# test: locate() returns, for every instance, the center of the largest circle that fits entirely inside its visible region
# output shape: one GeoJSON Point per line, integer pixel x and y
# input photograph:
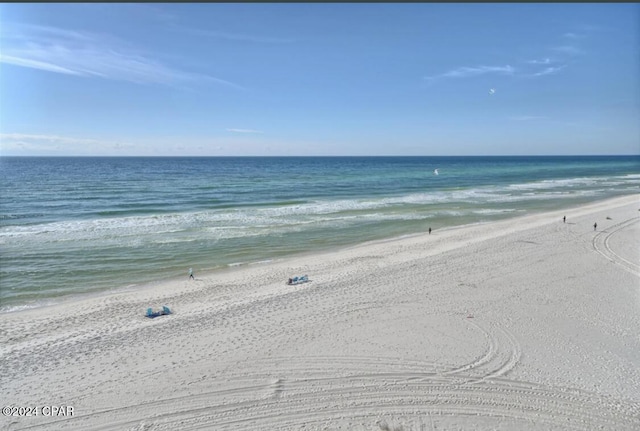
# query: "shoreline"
{"type": "Point", "coordinates": [526, 323]}
{"type": "Point", "coordinates": [95, 295]}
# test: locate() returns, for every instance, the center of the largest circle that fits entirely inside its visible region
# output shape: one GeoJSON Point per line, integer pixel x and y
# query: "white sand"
{"type": "Point", "coordinates": [523, 324]}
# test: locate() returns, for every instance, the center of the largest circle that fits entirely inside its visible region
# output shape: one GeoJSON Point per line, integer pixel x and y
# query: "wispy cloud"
{"type": "Point", "coordinates": [89, 55]}
{"type": "Point", "coordinates": [35, 64]}
{"type": "Point", "coordinates": [542, 61]}
{"type": "Point", "coordinates": [244, 131]}
{"type": "Point", "coordinates": [549, 71]}
{"type": "Point", "coordinates": [562, 55]}
{"type": "Point", "coordinates": [466, 72]}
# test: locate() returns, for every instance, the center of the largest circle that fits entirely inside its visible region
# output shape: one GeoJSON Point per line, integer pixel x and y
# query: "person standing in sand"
{"type": "Point", "coordinates": [564, 219]}
{"type": "Point", "coordinates": [191, 274]}
{"type": "Point", "coordinates": [429, 231]}
{"type": "Point", "coordinates": [595, 225]}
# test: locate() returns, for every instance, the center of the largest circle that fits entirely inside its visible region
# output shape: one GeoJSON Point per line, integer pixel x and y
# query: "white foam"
{"type": "Point", "coordinates": [247, 222]}
{"type": "Point", "coordinates": [577, 182]}
{"type": "Point", "coordinates": [550, 184]}
{"type": "Point", "coordinates": [494, 211]}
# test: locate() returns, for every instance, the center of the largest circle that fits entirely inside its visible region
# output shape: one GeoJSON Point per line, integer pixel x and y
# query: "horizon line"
{"type": "Point", "coordinates": [317, 156]}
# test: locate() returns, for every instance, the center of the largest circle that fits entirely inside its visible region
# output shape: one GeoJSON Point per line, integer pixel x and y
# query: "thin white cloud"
{"type": "Point", "coordinates": [542, 61]}
{"type": "Point", "coordinates": [466, 72]}
{"type": "Point", "coordinates": [549, 71]}
{"type": "Point", "coordinates": [84, 54]}
{"type": "Point", "coordinates": [34, 64]}
{"type": "Point", "coordinates": [244, 131]}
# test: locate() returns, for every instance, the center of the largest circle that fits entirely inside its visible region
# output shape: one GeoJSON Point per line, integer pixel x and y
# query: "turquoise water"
{"type": "Point", "coordinates": [76, 225]}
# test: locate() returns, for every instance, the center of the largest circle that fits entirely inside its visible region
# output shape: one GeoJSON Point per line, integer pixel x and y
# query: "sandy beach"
{"type": "Point", "coordinates": [522, 324]}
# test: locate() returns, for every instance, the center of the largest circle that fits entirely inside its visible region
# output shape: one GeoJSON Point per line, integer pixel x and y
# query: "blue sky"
{"type": "Point", "coordinates": [207, 79]}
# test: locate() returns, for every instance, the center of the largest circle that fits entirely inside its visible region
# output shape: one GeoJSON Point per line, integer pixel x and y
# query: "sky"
{"type": "Point", "coordinates": [319, 79]}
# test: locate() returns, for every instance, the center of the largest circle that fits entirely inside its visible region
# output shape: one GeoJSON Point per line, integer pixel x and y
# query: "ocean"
{"type": "Point", "coordinates": [71, 226]}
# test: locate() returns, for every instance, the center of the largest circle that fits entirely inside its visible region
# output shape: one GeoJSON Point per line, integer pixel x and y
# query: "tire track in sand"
{"type": "Point", "coordinates": [345, 401]}
{"type": "Point", "coordinates": [346, 392]}
{"type": "Point", "coordinates": [496, 361]}
{"type": "Point", "coordinates": [601, 245]}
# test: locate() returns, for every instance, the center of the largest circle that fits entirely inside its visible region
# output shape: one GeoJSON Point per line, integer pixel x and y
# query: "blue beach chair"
{"type": "Point", "coordinates": [298, 280]}
{"type": "Point", "coordinates": [152, 314]}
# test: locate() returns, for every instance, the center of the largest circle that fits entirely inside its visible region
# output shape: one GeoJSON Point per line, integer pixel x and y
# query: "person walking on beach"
{"type": "Point", "coordinates": [595, 225]}
{"type": "Point", "coordinates": [191, 274]}
{"type": "Point", "coordinates": [564, 219]}
{"type": "Point", "coordinates": [429, 231]}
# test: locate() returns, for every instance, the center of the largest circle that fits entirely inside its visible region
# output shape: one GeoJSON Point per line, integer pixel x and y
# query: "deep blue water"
{"type": "Point", "coordinates": [73, 225]}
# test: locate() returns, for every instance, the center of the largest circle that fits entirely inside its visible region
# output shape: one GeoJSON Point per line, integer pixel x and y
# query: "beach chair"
{"type": "Point", "coordinates": [151, 314]}
{"type": "Point", "coordinates": [298, 280]}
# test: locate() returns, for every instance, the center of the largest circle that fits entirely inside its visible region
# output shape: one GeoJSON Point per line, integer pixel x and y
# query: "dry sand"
{"type": "Point", "coordinates": [523, 324]}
